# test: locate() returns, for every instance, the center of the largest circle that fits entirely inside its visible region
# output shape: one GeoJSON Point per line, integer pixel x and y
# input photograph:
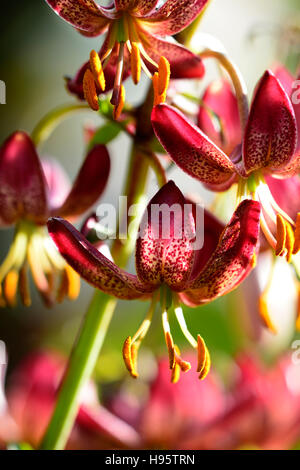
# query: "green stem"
{"type": "Point", "coordinates": [81, 365]}
{"type": "Point", "coordinates": [51, 120]}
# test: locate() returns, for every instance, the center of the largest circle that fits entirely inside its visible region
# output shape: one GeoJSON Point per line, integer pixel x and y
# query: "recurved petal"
{"type": "Point", "coordinates": [190, 149]}
{"type": "Point", "coordinates": [219, 117]}
{"type": "Point", "coordinates": [22, 181]}
{"type": "Point", "coordinates": [164, 249]}
{"type": "Point", "coordinates": [58, 183]}
{"type": "Point", "coordinates": [85, 15]}
{"type": "Point", "coordinates": [233, 258]}
{"type": "Point", "coordinates": [144, 7]}
{"type": "Point", "coordinates": [271, 133]}
{"type": "Point", "coordinates": [89, 184]}
{"type": "Point", "coordinates": [183, 62]}
{"type": "Point", "coordinates": [122, 5]}
{"type": "Point", "coordinates": [91, 265]}
{"type": "Point", "coordinates": [174, 16]}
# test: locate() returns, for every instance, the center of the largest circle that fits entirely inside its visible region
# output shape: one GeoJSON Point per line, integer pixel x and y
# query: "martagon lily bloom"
{"type": "Point", "coordinates": [30, 192]}
{"type": "Point", "coordinates": [268, 149]}
{"type": "Point", "coordinates": [133, 42]}
{"type": "Point", "coordinates": [169, 266]}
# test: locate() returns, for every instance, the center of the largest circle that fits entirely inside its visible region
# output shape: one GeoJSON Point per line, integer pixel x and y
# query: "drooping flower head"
{"type": "Point", "coordinates": [268, 148]}
{"type": "Point", "coordinates": [133, 41]}
{"type": "Point", "coordinates": [30, 192]}
{"type": "Point", "coordinates": [170, 266]}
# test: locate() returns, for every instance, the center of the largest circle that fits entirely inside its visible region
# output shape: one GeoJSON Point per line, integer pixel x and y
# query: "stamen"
{"type": "Point", "coordinates": [10, 287]}
{"type": "Point", "coordinates": [264, 313]}
{"type": "Point", "coordinates": [73, 283]}
{"type": "Point", "coordinates": [263, 303]}
{"type": "Point", "coordinates": [121, 101]}
{"type": "Point", "coordinates": [290, 242]}
{"type": "Point", "coordinates": [158, 99]}
{"type": "Point", "coordinates": [128, 357]}
{"type": "Point", "coordinates": [118, 77]}
{"type": "Point", "coordinates": [298, 310]}
{"type": "Point", "coordinates": [175, 373]}
{"type": "Point", "coordinates": [297, 235]}
{"type": "Point", "coordinates": [163, 75]}
{"type": "Point", "coordinates": [170, 346]}
{"type": "Point", "coordinates": [89, 90]}
{"type": "Point", "coordinates": [135, 63]}
{"type": "Point", "coordinates": [280, 235]}
{"type": "Point", "coordinates": [185, 366]}
{"type": "Point", "coordinates": [204, 361]}
{"type": "Point", "coordinates": [183, 325]}
{"type": "Point", "coordinates": [24, 286]}
{"type": "Point", "coordinates": [97, 70]}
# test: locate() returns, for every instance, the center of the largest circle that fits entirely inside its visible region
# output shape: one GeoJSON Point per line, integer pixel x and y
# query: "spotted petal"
{"type": "Point", "coordinates": [271, 134]}
{"type": "Point", "coordinates": [174, 16]}
{"type": "Point", "coordinates": [233, 258]}
{"type": "Point", "coordinates": [164, 250]}
{"type": "Point", "coordinates": [91, 265]}
{"type": "Point", "coordinates": [190, 149]}
{"type": "Point", "coordinates": [144, 7]}
{"type": "Point", "coordinates": [22, 182]}
{"type": "Point", "coordinates": [89, 184]}
{"type": "Point", "coordinates": [85, 15]}
{"type": "Point", "coordinates": [218, 116]}
{"type": "Point", "coordinates": [183, 62]}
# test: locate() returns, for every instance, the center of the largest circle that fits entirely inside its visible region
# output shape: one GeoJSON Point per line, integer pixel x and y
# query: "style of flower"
{"type": "Point", "coordinates": [170, 266]}
{"type": "Point", "coordinates": [268, 148]}
{"type": "Point", "coordinates": [30, 192]}
{"type": "Point", "coordinates": [133, 42]}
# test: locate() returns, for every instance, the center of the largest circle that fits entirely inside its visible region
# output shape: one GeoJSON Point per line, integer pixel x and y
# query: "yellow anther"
{"type": "Point", "coordinates": [158, 98]}
{"type": "Point", "coordinates": [163, 75]}
{"type": "Point", "coordinates": [298, 310]}
{"type": "Point", "coordinates": [281, 235]}
{"type": "Point", "coordinates": [253, 261]}
{"type": "Point", "coordinates": [175, 373]}
{"type": "Point", "coordinates": [97, 70]}
{"type": "Point", "coordinates": [297, 235]}
{"type": "Point", "coordinates": [264, 313]}
{"type": "Point", "coordinates": [128, 358]}
{"type": "Point", "coordinates": [204, 361]}
{"type": "Point", "coordinates": [171, 349]}
{"type": "Point", "coordinates": [184, 365]}
{"type": "Point", "coordinates": [10, 287]}
{"type": "Point", "coordinates": [136, 64]}
{"type": "Point", "coordinates": [89, 90]}
{"type": "Point", "coordinates": [290, 241]}
{"type": "Point", "coordinates": [73, 283]}
{"type": "Point", "coordinates": [121, 101]}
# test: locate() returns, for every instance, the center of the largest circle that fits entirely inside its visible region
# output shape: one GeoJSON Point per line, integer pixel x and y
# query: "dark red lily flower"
{"type": "Point", "coordinates": [268, 148]}
{"type": "Point", "coordinates": [31, 192]}
{"type": "Point", "coordinates": [133, 42]}
{"type": "Point", "coordinates": [218, 116]}
{"type": "Point", "coordinates": [169, 264]}
{"type": "Point", "coordinates": [31, 396]}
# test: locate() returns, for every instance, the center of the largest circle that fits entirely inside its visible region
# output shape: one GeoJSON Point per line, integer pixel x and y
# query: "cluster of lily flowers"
{"type": "Point", "coordinates": [227, 145]}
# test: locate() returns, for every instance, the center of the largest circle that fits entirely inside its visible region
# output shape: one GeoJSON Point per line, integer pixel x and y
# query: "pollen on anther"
{"type": "Point", "coordinates": [135, 63]}
{"type": "Point", "coordinates": [297, 235]}
{"type": "Point", "coordinates": [280, 235]}
{"type": "Point", "coordinates": [97, 70]}
{"type": "Point", "coordinates": [163, 75]}
{"type": "Point", "coordinates": [121, 101]}
{"type": "Point", "coordinates": [89, 90]}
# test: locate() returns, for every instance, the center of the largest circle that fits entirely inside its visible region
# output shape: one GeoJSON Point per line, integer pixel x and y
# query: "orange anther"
{"type": "Point", "coordinates": [89, 90]}
{"type": "Point", "coordinates": [135, 63]}
{"type": "Point", "coordinates": [171, 350]}
{"type": "Point", "coordinates": [127, 356]}
{"type": "Point", "coordinates": [97, 70]}
{"type": "Point", "coordinates": [297, 235]}
{"type": "Point", "coordinates": [73, 283]}
{"type": "Point", "coordinates": [204, 361]}
{"type": "Point", "coordinates": [289, 242]}
{"type": "Point", "coordinates": [10, 287]}
{"type": "Point", "coordinates": [280, 235]}
{"type": "Point", "coordinates": [163, 75]}
{"type": "Point", "coordinates": [264, 314]}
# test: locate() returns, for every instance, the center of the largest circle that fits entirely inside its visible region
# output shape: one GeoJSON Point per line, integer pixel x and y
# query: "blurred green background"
{"type": "Point", "coordinates": [37, 50]}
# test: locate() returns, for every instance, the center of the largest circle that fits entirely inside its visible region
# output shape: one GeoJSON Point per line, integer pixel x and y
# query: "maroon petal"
{"type": "Point", "coordinates": [58, 183]}
{"type": "Point", "coordinates": [144, 7]}
{"type": "Point", "coordinates": [89, 184]}
{"type": "Point", "coordinates": [233, 258]}
{"type": "Point", "coordinates": [225, 128]}
{"type": "Point", "coordinates": [190, 149]}
{"type": "Point", "coordinates": [22, 182]}
{"type": "Point", "coordinates": [122, 5]}
{"type": "Point", "coordinates": [174, 16]}
{"type": "Point", "coordinates": [286, 193]}
{"type": "Point", "coordinates": [271, 134]}
{"type": "Point", "coordinates": [91, 265]}
{"type": "Point", "coordinates": [164, 250]}
{"type": "Point", "coordinates": [183, 62]}
{"type": "Point", "coordinates": [84, 15]}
